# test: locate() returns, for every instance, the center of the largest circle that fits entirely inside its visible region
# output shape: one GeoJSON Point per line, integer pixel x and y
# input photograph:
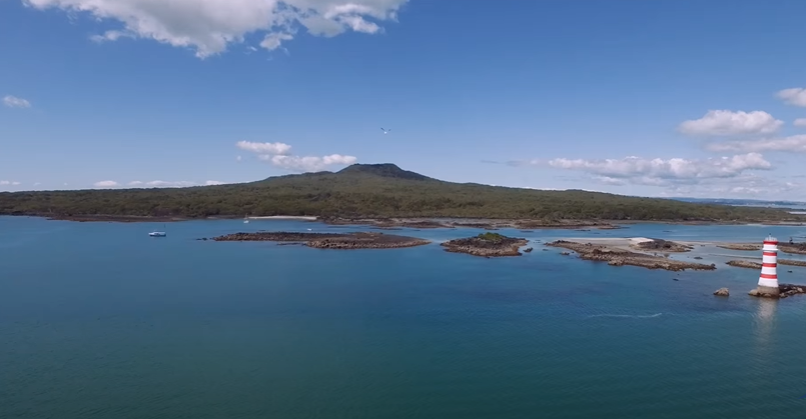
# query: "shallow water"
{"type": "Point", "coordinates": [97, 320]}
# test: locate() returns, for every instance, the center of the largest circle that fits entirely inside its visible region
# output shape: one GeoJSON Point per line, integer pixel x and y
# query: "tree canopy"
{"type": "Point", "coordinates": [382, 190]}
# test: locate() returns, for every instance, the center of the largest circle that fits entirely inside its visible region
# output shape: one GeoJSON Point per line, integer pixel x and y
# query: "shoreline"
{"type": "Point", "coordinates": [327, 240]}
{"type": "Point", "coordinates": [415, 222]}
{"type": "Point", "coordinates": [628, 251]}
{"type": "Point", "coordinates": [487, 245]}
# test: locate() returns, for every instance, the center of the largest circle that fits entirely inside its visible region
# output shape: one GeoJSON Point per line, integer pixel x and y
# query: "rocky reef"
{"type": "Point", "coordinates": [784, 290]}
{"type": "Point", "coordinates": [794, 248]}
{"type": "Point", "coordinates": [740, 246]}
{"type": "Point", "coordinates": [487, 245]}
{"type": "Point", "coordinates": [660, 245]}
{"type": "Point", "coordinates": [619, 257]}
{"type": "Point", "coordinates": [330, 240]}
{"type": "Point", "coordinates": [744, 264]}
{"type": "Point", "coordinates": [757, 265]}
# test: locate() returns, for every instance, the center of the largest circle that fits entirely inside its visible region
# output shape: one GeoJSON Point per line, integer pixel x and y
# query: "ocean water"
{"type": "Point", "coordinates": [97, 320]}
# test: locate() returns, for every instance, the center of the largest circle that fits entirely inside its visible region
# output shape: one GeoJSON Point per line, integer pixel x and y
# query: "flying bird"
{"type": "Point", "coordinates": [386, 131]}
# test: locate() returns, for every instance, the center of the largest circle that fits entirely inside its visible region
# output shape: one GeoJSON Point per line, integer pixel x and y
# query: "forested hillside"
{"type": "Point", "coordinates": [382, 190]}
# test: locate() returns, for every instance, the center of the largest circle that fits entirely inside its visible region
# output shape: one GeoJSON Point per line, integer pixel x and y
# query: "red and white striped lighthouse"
{"type": "Point", "coordinates": [768, 281]}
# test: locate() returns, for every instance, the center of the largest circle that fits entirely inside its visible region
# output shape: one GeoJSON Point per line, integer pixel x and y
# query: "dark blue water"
{"type": "Point", "coordinates": [101, 321]}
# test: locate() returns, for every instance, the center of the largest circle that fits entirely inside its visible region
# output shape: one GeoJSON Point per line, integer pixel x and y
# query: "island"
{"type": "Point", "coordinates": [744, 264]}
{"type": "Point", "coordinates": [487, 245]}
{"type": "Point", "coordinates": [741, 246]}
{"type": "Point", "coordinates": [757, 265]}
{"type": "Point", "coordinates": [328, 240]}
{"type": "Point", "coordinates": [382, 194]}
{"type": "Point", "coordinates": [791, 248]}
{"type": "Point", "coordinates": [616, 252]}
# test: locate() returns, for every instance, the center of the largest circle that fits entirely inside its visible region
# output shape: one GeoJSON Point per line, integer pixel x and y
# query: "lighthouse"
{"type": "Point", "coordinates": [768, 281]}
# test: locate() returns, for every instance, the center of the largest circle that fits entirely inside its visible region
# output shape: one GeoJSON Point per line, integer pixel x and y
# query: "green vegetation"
{"type": "Point", "coordinates": [492, 237]}
{"type": "Point", "coordinates": [369, 191]}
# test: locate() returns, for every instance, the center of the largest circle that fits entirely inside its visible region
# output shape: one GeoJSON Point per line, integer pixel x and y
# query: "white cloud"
{"type": "Point", "coordinates": [238, 158]}
{"type": "Point", "coordinates": [15, 102]}
{"type": "Point", "coordinates": [660, 172]}
{"type": "Point", "coordinates": [106, 184]}
{"type": "Point", "coordinates": [279, 154]}
{"type": "Point", "coordinates": [800, 122]}
{"type": "Point", "coordinates": [9, 183]}
{"type": "Point", "coordinates": [744, 186]}
{"type": "Point", "coordinates": [264, 148]}
{"type": "Point", "coordinates": [307, 164]}
{"type": "Point", "coordinates": [794, 143]}
{"type": "Point", "coordinates": [273, 41]}
{"type": "Point", "coordinates": [722, 123]}
{"type": "Point", "coordinates": [172, 184]}
{"type": "Point", "coordinates": [209, 26]}
{"type": "Point", "coordinates": [795, 96]}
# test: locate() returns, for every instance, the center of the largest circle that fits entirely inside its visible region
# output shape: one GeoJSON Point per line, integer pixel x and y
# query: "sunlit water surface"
{"type": "Point", "coordinates": [97, 320]}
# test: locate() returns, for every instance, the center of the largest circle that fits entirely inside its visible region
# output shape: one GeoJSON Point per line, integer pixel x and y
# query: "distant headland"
{"type": "Point", "coordinates": [378, 194]}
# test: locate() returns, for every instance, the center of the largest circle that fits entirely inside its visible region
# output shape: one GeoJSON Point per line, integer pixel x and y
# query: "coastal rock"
{"type": "Point", "coordinates": [744, 264]}
{"type": "Point", "coordinates": [722, 292]}
{"type": "Point", "coordinates": [793, 248]}
{"type": "Point", "coordinates": [528, 250]}
{"type": "Point", "coordinates": [791, 262]}
{"type": "Point", "coordinates": [784, 290]}
{"type": "Point", "coordinates": [615, 256]}
{"type": "Point", "coordinates": [486, 244]}
{"type": "Point", "coordinates": [664, 245]}
{"type": "Point", "coordinates": [740, 246]}
{"type": "Point", "coordinates": [330, 240]}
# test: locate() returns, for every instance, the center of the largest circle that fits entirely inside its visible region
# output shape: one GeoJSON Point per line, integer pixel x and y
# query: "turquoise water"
{"type": "Point", "coordinates": [101, 321]}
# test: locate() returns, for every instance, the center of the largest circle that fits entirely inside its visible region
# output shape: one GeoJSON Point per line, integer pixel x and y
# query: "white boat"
{"type": "Point", "coordinates": [157, 234]}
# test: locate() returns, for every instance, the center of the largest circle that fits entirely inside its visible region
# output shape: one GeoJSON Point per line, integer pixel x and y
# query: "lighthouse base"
{"type": "Point", "coordinates": [764, 291]}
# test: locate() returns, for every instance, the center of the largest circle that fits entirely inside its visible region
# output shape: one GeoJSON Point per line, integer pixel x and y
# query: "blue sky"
{"type": "Point", "coordinates": [542, 94]}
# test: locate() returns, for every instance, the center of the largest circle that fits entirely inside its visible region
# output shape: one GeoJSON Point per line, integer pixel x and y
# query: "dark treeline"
{"type": "Point", "coordinates": [369, 191]}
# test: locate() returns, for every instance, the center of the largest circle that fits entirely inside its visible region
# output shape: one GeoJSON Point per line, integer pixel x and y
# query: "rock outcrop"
{"type": "Point", "coordinates": [662, 245]}
{"type": "Point", "coordinates": [740, 246]}
{"type": "Point", "coordinates": [722, 292]}
{"type": "Point", "coordinates": [330, 240]}
{"type": "Point", "coordinates": [744, 264]}
{"type": "Point", "coordinates": [794, 248]}
{"type": "Point", "coordinates": [618, 257]}
{"type": "Point", "coordinates": [784, 291]}
{"type": "Point", "coordinates": [487, 245]}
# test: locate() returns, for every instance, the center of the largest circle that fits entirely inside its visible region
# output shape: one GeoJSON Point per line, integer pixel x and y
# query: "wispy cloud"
{"type": "Point", "coordinates": [662, 172]}
{"type": "Point", "coordinates": [279, 154]}
{"type": "Point", "coordinates": [106, 184]}
{"type": "Point", "coordinates": [172, 184]}
{"type": "Point", "coordinates": [794, 144]}
{"type": "Point", "coordinates": [15, 102]}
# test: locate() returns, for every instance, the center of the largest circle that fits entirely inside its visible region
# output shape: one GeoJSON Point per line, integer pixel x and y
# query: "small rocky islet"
{"type": "Point", "coordinates": [329, 240]}
{"type": "Point", "coordinates": [487, 245]}
{"type": "Point", "coordinates": [619, 257]}
{"type": "Point", "coordinates": [784, 291]}
{"type": "Point", "coordinates": [791, 248]}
